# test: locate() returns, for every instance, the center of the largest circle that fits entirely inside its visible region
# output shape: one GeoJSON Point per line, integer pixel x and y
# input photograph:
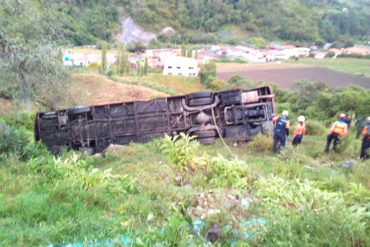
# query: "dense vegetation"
{"type": "Point", "coordinates": [31, 67]}
{"type": "Point", "coordinates": [201, 21]}
{"type": "Point", "coordinates": [167, 193]}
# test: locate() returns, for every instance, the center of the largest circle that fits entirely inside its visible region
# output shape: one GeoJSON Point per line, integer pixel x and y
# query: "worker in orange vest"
{"type": "Point", "coordinates": [365, 140]}
{"type": "Point", "coordinates": [338, 130]}
{"type": "Point", "coordinates": [299, 131]}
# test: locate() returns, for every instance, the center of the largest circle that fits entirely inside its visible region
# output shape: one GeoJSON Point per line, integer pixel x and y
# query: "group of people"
{"type": "Point", "coordinates": [338, 131]}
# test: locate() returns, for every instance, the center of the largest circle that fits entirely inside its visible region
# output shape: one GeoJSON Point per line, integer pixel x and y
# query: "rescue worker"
{"type": "Point", "coordinates": [338, 130]}
{"type": "Point", "coordinates": [360, 125]}
{"type": "Point", "coordinates": [281, 130]}
{"type": "Point", "coordinates": [365, 140]}
{"type": "Point", "coordinates": [347, 119]}
{"type": "Point", "coordinates": [299, 131]}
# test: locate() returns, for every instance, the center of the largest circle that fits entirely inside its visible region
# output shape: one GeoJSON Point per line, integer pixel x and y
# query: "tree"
{"type": "Point", "coordinates": [30, 65]}
{"type": "Point", "coordinates": [183, 50]}
{"type": "Point", "coordinates": [139, 70]}
{"type": "Point", "coordinates": [208, 74]}
{"type": "Point", "coordinates": [190, 53]}
{"type": "Point", "coordinates": [146, 67]}
{"type": "Point", "coordinates": [103, 65]}
{"type": "Point", "coordinates": [123, 64]}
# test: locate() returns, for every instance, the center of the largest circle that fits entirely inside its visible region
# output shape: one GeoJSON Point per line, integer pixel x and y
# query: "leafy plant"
{"type": "Point", "coordinates": [181, 149]}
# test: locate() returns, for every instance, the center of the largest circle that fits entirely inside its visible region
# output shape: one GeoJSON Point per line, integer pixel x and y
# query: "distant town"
{"type": "Point", "coordinates": [171, 62]}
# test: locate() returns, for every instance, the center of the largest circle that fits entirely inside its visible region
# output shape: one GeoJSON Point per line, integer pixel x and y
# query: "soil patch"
{"type": "Point", "coordinates": [285, 77]}
{"type": "Point", "coordinates": [95, 89]}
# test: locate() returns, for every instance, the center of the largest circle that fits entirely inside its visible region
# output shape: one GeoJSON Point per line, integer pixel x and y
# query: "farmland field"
{"type": "Point", "coordinates": [285, 77]}
{"type": "Point", "coordinates": [353, 66]}
{"type": "Point", "coordinates": [333, 72]}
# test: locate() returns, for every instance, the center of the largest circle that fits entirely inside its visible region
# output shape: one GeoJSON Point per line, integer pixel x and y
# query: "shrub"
{"type": "Point", "coordinates": [181, 149]}
{"type": "Point", "coordinates": [330, 54]}
{"type": "Point", "coordinates": [298, 211]}
{"type": "Point", "coordinates": [218, 84]}
{"type": "Point", "coordinates": [94, 65]}
{"type": "Point", "coordinates": [221, 172]}
{"type": "Point", "coordinates": [261, 144]}
{"type": "Point", "coordinates": [314, 127]}
{"type": "Point", "coordinates": [11, 139]}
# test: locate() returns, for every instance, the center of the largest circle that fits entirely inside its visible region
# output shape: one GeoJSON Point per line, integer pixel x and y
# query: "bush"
{"type": "Point", "coordinates": [261, 144]}
{"type": "Point", "coordinates": [181, 149]}
{"type": "Point", "coordinates": [330, 54]}
{"type": "Point", "coordinates": [94, 65]}
{"type": "Point", "coordinates": [217, 84]}
{"type": "Point", "coordinates": [227, 173]}
{"type": "Point", "coordinates": [12, 139]}
{"type": "Point", "coordinates": [298, 210]}
{"type": "Point", "coordinates": [314, 127]}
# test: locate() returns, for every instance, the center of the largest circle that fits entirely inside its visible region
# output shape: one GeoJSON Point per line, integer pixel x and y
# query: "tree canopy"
{"type": "Point", "coordinates": [30, 64]}
{"type": "Point", "coordinates": [200, 21]}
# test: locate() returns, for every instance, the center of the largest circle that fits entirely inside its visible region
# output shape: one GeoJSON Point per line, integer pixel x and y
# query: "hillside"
{"type": "Point", "coordinates": [201, 21]}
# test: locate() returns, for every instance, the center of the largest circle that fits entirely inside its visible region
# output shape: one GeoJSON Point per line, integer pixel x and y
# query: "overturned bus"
{"type": "Point", "coordinates": [236, 114]}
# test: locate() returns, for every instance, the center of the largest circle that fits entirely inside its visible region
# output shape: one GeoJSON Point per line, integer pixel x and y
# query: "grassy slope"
{"type": "Point", "coordinates": [40, 207]}
{"type": "Point", "coordinates": [136, 190]}
{"type": "Point", "coordinates": [176, 85]}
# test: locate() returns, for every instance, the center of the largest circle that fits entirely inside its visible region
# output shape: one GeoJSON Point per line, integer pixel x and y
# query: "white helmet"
{"type": "Point", "coordinates": [285, 113]}
{"type": "Point", "coordinates": [301, 119]}
{"type": "Point", "coordinates": [342, 116]}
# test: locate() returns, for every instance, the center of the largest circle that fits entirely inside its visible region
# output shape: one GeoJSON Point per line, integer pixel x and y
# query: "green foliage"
{"type": "Point", "coordinates": [104, 64]}
{"type": "Point", "coordinates": [208, 74]}
{"type": "Point", "coordinates": [198, 21]}
{"type": "Point", "coordinates": [316, 210]}
{"type": "Point", "coordinates": [261, 144]}
{"type": "Point", "coordinates": [183, 50]}
{"type": "Point", "coordinates": [181, 149]}
{"type": "Point", "coordinates": [314, 127]}
{"type": "Point", "coordinates": [330, 54]}
{"type": "Point", "coordinates": [354, 55]}
{"type": "Point", "coordinates": [226, 60]}
{"type": "Point", "coordinates": [11, 139]}
{"type": "Point", "coordinates": [222, 172]}
{"type": "Point", "coordinates": [258, 42]}
{"type": "Point", "coordinates": [123, 64]}
{"type": "Point", "coordinates": [217, 84]}
{"type": "Point", "coordinates": [30, 67]}
{"type": "Point", "coordinates": [315, 100]}
{"type": "Point", "coordinates": [146, 67]}
{"type": "Point", "coordinates": [240, 82]}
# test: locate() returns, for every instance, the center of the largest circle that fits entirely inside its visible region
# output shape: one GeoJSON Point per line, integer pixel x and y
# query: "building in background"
{"type": "Point", "coordinates": [180, 66]}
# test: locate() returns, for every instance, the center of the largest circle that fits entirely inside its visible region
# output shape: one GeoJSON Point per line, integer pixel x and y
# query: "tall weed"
{"type": "Point", "coordinates": [180, 148]}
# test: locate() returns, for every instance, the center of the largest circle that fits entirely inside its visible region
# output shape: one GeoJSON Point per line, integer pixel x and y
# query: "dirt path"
{"type": "Point", "coordinates": [95, 89]}
{"type": "Point", "coordinates": [286, 77]}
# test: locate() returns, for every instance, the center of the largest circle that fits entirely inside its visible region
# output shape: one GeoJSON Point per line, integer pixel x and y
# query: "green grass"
{"type": "Point", "coordinates": [354, 66]}
{"type": "Point", "coordinates": [151, 192]}
{"type": "Point", "coordinates": [172, 85]}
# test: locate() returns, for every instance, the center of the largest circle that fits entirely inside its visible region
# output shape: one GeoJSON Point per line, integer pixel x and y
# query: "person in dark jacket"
{"type": "Point", "coordinates": [347, 119]}
{"type": "Point", "coordinates": [281, 130]}
{"type": "Point", "coordinates": [365, 141]}
{"type": "Point", "coordinates": [360, 125]}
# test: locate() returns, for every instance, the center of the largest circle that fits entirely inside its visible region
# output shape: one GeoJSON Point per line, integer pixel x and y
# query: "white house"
{"type": "Point", "coordinates": [86, 58]}
{"type": "Point", "coordinates": [180, 66]}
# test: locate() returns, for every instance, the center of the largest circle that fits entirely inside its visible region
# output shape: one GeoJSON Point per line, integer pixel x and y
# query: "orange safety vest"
{"type": "Point", "coordinates": [299, 129]}
{"type": "Point", "coordinates": [340, 128]}
{"type": "Point", "coordinates": [365, 132]}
